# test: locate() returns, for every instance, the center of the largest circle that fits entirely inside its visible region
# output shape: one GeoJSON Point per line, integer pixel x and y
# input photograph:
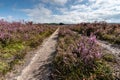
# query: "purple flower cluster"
{"type": "Point", "coordinates": [20, 31]}
{"type": "Point", "coordinates": [4, 36]}
{"type": "Point", "coordinates": [64, 31]}
{"type": "Point", "coordinates": [87, 49]}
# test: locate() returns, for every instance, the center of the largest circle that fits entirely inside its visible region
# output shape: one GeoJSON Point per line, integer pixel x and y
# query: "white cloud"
{"type": "Point", "coordinates": [8, 18]}
{"type": "Point", "coordinates": [39, 13]}
{"type": "Point", "coordinates": [2, 17]}
{"type": "Point", "coordinates": [95, 10]}
{"type": "Point", "coordinates": [80, 0]}
{"type": "Point", "coordinates": [58, 2]}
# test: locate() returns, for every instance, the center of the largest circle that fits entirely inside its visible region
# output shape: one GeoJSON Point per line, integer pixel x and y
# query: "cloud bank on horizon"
{"type": "Point", "coordinates": [71, 11]}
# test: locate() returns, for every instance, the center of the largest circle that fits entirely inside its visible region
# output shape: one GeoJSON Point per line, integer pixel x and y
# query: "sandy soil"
{"type": "Point", "coordinates": [38, 68]}
{"type": "Point", "coordinates": [115, 50]}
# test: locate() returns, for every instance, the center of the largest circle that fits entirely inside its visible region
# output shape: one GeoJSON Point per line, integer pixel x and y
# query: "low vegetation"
{"type": "Point", "coordinates": [79, 58]}
{"type": "Point", "coordinates": [103, 31]}
{"type": "Point", "coordinates": [17, 38]}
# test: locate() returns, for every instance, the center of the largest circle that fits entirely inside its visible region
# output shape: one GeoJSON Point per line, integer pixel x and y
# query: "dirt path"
{"type": "Point", "coordinates": [115, 51]}
{"type": "Point", "coordinates": [108, 46]}
{"type": "Point", "coordinates": [38, 68]}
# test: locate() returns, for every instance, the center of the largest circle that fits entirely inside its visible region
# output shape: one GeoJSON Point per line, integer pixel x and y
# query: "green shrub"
{"type": "Point", "coordinates": [66, 67]}
{"type": "Point", "coordinates": [4, 67]}
{"type": "Point", "coordinates": [109, 58]}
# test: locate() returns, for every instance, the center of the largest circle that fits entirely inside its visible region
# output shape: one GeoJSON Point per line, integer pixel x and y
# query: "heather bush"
{"type": "Point", "coordinates": [87, 50]}
{"type": "Point", "coordinates": [17, 37]}
{"type": "Point", "coordinates": [103, 31]}
{"type": "Point", "coordinates": [82, 60]}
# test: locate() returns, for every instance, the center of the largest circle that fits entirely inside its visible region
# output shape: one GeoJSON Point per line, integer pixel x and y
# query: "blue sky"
{"type": "Point", "coordinates": [67, 11]}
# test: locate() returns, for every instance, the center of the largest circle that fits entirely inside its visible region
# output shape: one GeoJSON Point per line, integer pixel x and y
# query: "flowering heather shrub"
{"type": "Point", "coordinates": [66, 37]}
{"type": "Point", "coordinates": [81, 60]}
{"type": "Point", "coordinates": [65, 31]}
{"type": "Point", "coordinates": [19, 32]}
{"type": "Point", "coordinates": [17, 38]}
{"type": "Point", "coordinates": [100, 29]}
{"type": "Point", "coordinates": [88, 50]}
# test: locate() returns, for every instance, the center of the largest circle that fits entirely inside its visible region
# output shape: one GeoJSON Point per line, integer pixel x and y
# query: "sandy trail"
{"type": "Point", "coordinates": [108, 46]}
{"type": "Point", "coordinates": [38, 68]}
{"type": "Point", "coordinates": [115, 51]}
